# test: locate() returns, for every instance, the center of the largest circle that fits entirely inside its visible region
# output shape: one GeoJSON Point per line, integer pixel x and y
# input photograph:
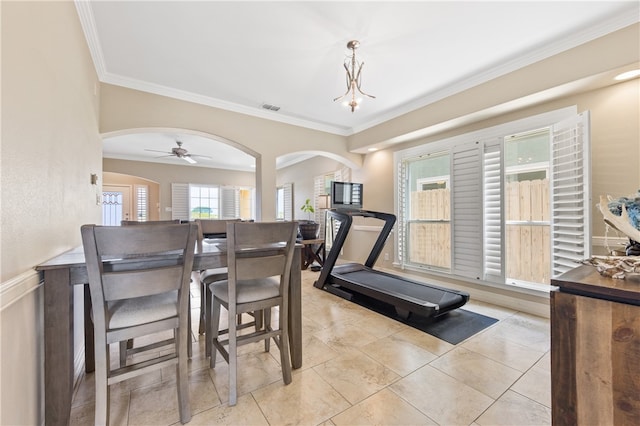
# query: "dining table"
{"type": "Point", "coordinates": [62, 273]}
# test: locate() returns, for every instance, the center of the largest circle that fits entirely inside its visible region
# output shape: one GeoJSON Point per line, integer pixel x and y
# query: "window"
{"type": "Point", "coordinates": [195, 201]}
{"type": "Point", "coordinates": [284, 202]}
{"type": "Point", "coordinates": [142, 203]}
{"type": "Point", "coordinates": [204, 202]}
{"type": "Point", "coordinates": [428, 224]}
{"type": "Point", "coordinates": [506, 205]}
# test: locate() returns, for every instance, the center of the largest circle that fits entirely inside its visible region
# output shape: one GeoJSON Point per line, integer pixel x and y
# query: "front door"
{"type": "Point", "coordinates": [116, 204]}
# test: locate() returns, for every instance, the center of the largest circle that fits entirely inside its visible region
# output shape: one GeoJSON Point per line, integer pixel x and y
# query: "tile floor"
{"type": "Point", "coordinates": [358, 368]}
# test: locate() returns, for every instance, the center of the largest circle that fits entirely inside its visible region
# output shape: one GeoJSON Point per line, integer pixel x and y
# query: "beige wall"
{"type": "Point", "coordinates": [166, 174]}
{"type": "Point", "coordinates": [50, 147]}
{"type": "Point", "coordinates": [124, 109]}
{"type": "Point", "coordinates": [601, 55]}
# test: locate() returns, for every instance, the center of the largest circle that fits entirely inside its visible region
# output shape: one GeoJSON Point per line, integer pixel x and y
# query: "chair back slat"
{"type": "Point", "coordinates": [259, 267]}
{"type": "Point", "coordinates": [129, 284]}
{"type": "Point", "coordinates": [140, 240]}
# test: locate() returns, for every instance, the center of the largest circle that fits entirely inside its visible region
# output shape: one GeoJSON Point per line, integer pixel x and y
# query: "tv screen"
{"type": "Point", "coordinates": [346, 195]}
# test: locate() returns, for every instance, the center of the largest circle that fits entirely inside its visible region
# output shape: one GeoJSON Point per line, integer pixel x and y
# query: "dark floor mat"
{"type": "Point", "coordinates": [453, 327]}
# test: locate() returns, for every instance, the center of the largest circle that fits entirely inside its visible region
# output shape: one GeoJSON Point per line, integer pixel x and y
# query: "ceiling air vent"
{"type": "Point", "coordinates": [270, 107]}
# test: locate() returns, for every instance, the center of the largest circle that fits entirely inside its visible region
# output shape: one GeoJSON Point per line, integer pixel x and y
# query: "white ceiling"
{"type": "Point", "coordinates": [239, 55]}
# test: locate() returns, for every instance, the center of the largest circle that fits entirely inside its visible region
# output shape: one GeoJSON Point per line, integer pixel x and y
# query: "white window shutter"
{"type": "Point", "coordinates": [180, 201]}
{"type": "Point", "coordinates": [318, 190]}
{"type": "Point", "coordinates": [288, 201]}
{"type": "Point", "coordinates": [403, 214]}
{"type": "Point", "coordinates": [493, 211]}
{"type": "Point", "coordinates": [142, 202]}
{"type": "Point", "coordinates": [570, 189]}
{"type": "Point", "coordinates": [466, 210]}
{"type": "Point", "coordinates": [229, 203]}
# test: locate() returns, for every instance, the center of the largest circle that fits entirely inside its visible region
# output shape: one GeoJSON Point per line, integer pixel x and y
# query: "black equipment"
{"type": "Point", "coordinates": [407, 296]}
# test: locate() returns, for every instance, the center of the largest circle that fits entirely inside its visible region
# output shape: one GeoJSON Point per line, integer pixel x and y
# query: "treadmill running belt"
{"type": "Point", "coordinates": [404, 289]}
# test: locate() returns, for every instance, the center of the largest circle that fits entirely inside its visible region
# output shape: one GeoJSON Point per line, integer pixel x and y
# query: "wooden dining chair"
{"type": "Point", "coordinates": [144, 291]}
{"type": "Point", "coordinates": [217, 229]}
{"type": "Point", "coordinates": [259, 257]}
{"type": "Point", "coordinates": [126, 348]}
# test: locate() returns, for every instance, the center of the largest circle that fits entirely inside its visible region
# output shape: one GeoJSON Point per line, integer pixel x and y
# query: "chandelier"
{"type": "Point", "coordinates": [354, 77]}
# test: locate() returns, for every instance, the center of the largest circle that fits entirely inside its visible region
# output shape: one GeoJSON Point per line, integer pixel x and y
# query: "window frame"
{"type": "Point", "coordinates": [484, 135]}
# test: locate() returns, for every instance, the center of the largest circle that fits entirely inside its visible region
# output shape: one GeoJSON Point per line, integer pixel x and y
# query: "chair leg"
{"type": "Point", "coordinates": [215, 329]}
{"type": "Point", "coordinates": [103, 393]}
{"type": "Point", "coordinates": [202, 327]}
{"type": "Point", "coordinates": [189, 343]}
{"type": "Point", "coordinates": [207, 309]}
{"type": "Point", "coordinates": [267, 326]}
{"type": "Point", "coordinates": [182, 375]}
{"type": "Point", "coordinates": [233, 360]}
{"type": "Point", "coordinates": [285, 361]}
{"type": "Point", "coordinates": [123, 352]}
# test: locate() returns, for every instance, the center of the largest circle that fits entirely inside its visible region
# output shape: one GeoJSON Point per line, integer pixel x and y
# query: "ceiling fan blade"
{"type": "Point", "coordinates": [155, 150]}
{"type": "Point", "coordinates": [188, 159]}
{"type": "Point", "coordinates": [201, 156]}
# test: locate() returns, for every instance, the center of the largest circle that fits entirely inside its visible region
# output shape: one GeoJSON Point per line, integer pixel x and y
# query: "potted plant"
{"type": "Point", "coordinates": [308, 229]}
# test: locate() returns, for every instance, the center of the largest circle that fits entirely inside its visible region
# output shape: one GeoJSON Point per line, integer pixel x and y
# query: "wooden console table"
{"type": "Point", "coordinates": [595, 349]}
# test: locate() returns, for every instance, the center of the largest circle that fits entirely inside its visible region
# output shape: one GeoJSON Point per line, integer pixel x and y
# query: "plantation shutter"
{"type": "Point", "coordinates": [229, 203]}
{"type": "Point", "coordinates": [466, 211]}
{"type": "Point", "coordinates": [570, 193]}
{"type": "Point", "coordinates": [402, 206]}
{"type": "Point", "coordinates": [180, 201]}
{"type": "Point", "coordinates": [288, 201]}
{"type": "Point", "coordinates": [493, 211]}
{"type": "Point", "coordinates": [142, 203]}
{"type": "Point", "coordinates": [318, 190]}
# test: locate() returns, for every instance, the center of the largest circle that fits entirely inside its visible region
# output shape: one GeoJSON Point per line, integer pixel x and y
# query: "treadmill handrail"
{"type": "Point", "coordinates": [346, 219]}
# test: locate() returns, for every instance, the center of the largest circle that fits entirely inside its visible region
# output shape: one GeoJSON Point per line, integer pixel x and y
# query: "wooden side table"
{"type": "Point", "coordinates": [595, 349]}
{"type": "Point", "coordinates": [311, 254]}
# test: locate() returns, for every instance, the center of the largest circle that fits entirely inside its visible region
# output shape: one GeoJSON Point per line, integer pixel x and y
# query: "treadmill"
{"type": "Point", "coordinates": [405, 295]}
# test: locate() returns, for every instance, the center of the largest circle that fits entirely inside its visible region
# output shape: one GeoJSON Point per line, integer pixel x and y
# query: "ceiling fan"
{"type": "Point", "coordinates": [180, 152]}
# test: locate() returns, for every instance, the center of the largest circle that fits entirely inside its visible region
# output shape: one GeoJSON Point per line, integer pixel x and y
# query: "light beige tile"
{"type": "Point", "coordinates": [481, 373]}
{"type": "Point", "coordinates": [307, 400]}
{"type": "Point", "coordinates": [245, 412]}
{"type": "Point", "coordinates": [398, 354]}
{"type": "Point", "coordinates": [356, 376]}
{"type": "Point", "coordinates": [441, 397]}
{"type": "Point", "coordinates": [84, 415]}
{"type": "Point", "coordinates": [505, 351]}
{"type": "Point", "coordinates": [536, 385]}
{"type": "Point", "coordinates": [155, 405]}
{"type": "Point", "coordinates": [526, 330]}
{"type": "Point", "coordinates": [382, 408]}
{"type": "Point", "coordinates": [514, 409]}
{"type": "Point", "coordinates": [202, 392]}
{"type": "Point", "coordinates": [375, 324]}
{"type": "Point", "coordinates": [488, 309]}
{"type": "Point", "coordinates": [345, 335]}
{"type": "Point", "coordinates": [315, 351]}
{"type": "Point", "coordinates": [424, 340]}
{"type": "Point", "coordinates": [254, 371]}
